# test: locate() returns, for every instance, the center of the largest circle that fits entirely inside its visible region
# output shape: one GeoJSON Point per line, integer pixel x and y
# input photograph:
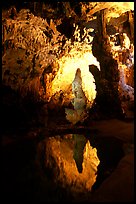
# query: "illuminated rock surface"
{"type": "Point", "coordinates": [43, 44]}
{"type": "Point", "coordinates": [38, 57]}
{"type": "Point", "coordinates": [44, 62]}
{"type": "Point", "coordinates": [79, 102]}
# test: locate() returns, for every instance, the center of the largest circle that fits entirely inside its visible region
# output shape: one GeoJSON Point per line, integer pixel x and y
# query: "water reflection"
{"type": "Point", "coordinates": [71, 162]}
{"type": "Point", "coordinates": [79, 145]}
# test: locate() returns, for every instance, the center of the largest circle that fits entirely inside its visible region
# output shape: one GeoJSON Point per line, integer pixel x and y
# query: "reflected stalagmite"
{"type": "Point", "coordinates": [60, 154]}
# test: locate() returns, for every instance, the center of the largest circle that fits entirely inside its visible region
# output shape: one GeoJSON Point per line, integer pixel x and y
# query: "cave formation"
{"type": "Point", "coordinates": [68, 101]}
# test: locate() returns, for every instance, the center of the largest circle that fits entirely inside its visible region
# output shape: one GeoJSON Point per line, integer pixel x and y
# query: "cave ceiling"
{"type": "Point", "coordinates": [82, 13]}
{"type": "Point", "coordinates": [85, 11]}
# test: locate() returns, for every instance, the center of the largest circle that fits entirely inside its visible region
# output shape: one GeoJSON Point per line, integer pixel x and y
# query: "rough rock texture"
{"type": "Point", "coordinates": [29, 50]}
{"type": "Point", "coordinates": [129, 74]}
{"type": "Point", "coordinates": [35, 41]}
{"type": "Point", "coordinates": [107, 97]}
{"type": "Point", "coordinates": [37, 38]}
{"type": "Point", "coordinates": [32, 55]}
{"type": "Point", "coordinates": [59, 158]}
{"type": "Point", "coordinates": [125, 56]}
{"type": "Point", "coordinates": [79, 101]}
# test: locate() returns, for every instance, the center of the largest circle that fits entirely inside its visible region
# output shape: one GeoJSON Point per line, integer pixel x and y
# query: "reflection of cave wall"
{"type": "Point", "coordinates": [59, 160]}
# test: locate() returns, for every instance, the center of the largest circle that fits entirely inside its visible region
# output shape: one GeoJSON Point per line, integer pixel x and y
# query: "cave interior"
{"type": "Point", "coordinates": [68, 101]}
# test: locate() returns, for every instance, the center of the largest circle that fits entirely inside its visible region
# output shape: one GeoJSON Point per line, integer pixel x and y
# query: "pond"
{"type": "Point", "coordinates": [78, 163]}
{"type": "Point", "coordinates": [63, 167]}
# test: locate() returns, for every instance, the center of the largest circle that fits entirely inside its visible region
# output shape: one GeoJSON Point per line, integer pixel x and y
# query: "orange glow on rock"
{"type": "Point", "coordinates": [64, 165]}
{"type": "Point", "coordinates": [80, 56]}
